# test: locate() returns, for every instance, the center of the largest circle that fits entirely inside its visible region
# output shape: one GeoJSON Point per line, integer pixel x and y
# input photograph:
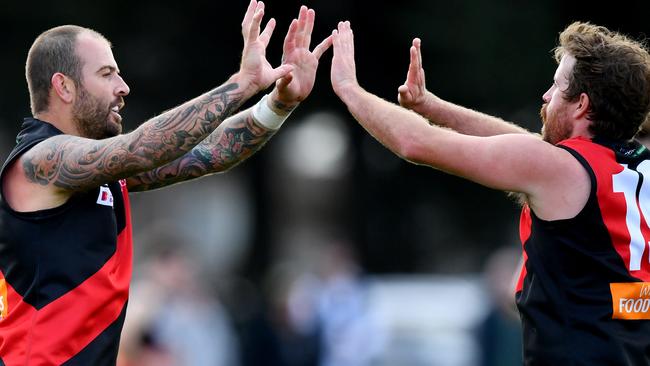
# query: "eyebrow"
{"type": "Point", "coordinates": [109, 67]}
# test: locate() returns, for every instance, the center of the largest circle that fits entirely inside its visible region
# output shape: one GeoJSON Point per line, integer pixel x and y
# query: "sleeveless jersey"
{"type": "Point", "coordinates": [584, 291]}
{"type": "Point", "coordinates": [64, 273]}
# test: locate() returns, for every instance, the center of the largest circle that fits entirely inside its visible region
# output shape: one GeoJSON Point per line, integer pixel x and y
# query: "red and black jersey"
{"type": "Point", "coordinates": [64, 273]}
{"type": "Point", "coordinates": [584, 290]}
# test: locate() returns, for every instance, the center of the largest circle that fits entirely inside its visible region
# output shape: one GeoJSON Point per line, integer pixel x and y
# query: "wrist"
{"type": "Point", "coordinates": [428, 104]}
{"type": "Point", "coordinates": [270, 115]}
{"type": "Point", "coordinates": [281, 105]}
{"type": "Point", "coordinates": [347, 92]}
{"type": "Point", "coordinates": [245, 83]}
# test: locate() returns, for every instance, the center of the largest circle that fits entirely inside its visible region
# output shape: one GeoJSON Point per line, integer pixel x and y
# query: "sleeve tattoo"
{"type": "Point", "coordinates": [74, 163]}
{"type": "Point", "coordinates": [235, 140]}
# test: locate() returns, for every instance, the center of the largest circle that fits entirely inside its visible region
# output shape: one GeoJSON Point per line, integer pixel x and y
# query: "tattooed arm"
{"type": "Point", "coordinates": [231, 143]}
{"type": "Point", "coordinates": [72, 163]}
{"type": "Point", "coordinates": [46, 175]}
{"type": "Point", "coordinates": [240, 136]}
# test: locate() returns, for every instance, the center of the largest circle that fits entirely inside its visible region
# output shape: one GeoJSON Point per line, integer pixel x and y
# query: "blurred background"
{"type": "Point", "coordinates": [324, 248]}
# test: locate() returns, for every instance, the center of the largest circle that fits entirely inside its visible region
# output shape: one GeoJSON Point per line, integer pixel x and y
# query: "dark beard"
{"type": "Point", "coordinates": [91, 117]}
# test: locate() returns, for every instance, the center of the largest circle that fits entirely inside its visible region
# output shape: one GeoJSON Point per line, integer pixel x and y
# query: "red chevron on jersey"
{"type": "Point", "coordinates": [65, 271]}
{"type": "Point", "coordinates": [524, 233]}
{"type": "Point", "coordinates": [60, 330]}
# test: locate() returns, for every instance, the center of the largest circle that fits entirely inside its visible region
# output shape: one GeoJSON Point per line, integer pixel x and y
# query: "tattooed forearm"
{"type": "Point", "coordinates": [73, 163]}
{"type": "Point", "coordinates": [235, 140]}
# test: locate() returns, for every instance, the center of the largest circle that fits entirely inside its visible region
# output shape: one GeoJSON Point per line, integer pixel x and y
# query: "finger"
{"type": "Point", "coordinates": [345, 28]}
{"type": "Point", "coordinates": [415, 59]}
{"type": "Point", "coordinates": [265, 37]}
{"type": "Point", "coordinates": [414, 65]}
{"type": "Point", "coordinates": [417, 44]}
{"type": "Point", "coordinates": [284, 81]}
{"type": "Point", "coordinates": [421, 83]}
{"type": "Point", "coordinates": [413, 74]}
{"type": "Point", "coordinates": [347, 23]}
{"type": "Point", "coordinates": [290, 38]}
{"type": "Point", "coordinates": [309, 27]}
{"type": "Point", "coordinates": [249, 15]}
{"type": "Point", "coordinates": [340, 36]}
{"type": "Point", "coordinates": [340, 29]}
{"type": "Point", "coordinates": [348, 36]}
{"type": "Point", "coordinates": [336, 40]}
{"type": "Point", "coordinates": [254, 31]}
{"type": "Point", "coordinates": [302, 19]}
{"type": "Point", "coordinates": [336, 43]}
{"type": "Point", "coordinates": [281, 71]}
{"type": "Point", "coordinates": [322, 47]}
{"type": "Point", "coordinates": [343, 40]}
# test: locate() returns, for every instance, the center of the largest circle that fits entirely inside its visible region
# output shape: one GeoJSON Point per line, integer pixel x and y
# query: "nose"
{"type": "Point", "coordinates": [547, 96]}
{"type": "Point", "coordinates": [122, 88]}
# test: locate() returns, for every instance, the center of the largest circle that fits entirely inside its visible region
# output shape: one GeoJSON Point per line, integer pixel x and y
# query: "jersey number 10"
{"type": "Point", "coordinates": [627, 182]}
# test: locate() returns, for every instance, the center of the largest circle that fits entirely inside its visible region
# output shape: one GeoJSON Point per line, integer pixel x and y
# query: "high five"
{"type": "Point", "coordinates": [584, 224]}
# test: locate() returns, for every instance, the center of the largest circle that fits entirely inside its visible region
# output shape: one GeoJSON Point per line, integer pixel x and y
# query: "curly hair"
{"type": "Point", "coordinates": [614, 71]}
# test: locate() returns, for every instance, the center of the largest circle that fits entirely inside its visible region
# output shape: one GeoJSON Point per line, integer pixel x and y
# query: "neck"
{"type": "Point", "coordinates": [62, 121]}
{"type": "Point", "coordinates": [581, 129]}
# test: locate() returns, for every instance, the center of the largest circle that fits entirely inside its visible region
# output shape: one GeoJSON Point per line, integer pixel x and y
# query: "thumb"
{"type": "Point", "coordinates": [281, 71]}
{"type": "Point", "coordinates": [404, 91]}
{"type": "Point", "coordinates": [282, 82]}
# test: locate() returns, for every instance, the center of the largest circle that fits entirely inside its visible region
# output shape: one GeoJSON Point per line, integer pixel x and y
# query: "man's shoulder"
{"type": "Point", "coordinates": [26, 176]}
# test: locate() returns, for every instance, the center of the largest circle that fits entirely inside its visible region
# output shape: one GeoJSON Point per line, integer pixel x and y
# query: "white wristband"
{"type": "Point", "coordinates": [266, 117]}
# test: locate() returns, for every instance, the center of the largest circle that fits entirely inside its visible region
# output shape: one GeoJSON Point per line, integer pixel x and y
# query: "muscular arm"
{"type": "Point", "coordinates": [64, 164]}
{"type": "Point", "coordinates": [414, 95]}
{"type": "Point", "coordinates": [72, 163]}
{"type": "Point", "coordinates": [231, 143]}
{"type": "Point", "coordinates": [409, 136]}
{"type": "Point", "coordinates": [464, 120]}
{"type": "Point", "coordinates": [510, 162]}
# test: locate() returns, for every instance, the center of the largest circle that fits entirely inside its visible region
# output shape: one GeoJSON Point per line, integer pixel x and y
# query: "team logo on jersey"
{"type": "Point", "coordinates": [630, 301]}
{"type": "Point", "coordinates": [4, 305]}
{"type": "Point", "coordinates": [105, 196]}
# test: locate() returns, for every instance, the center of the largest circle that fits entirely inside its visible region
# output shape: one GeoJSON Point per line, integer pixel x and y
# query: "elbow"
{"type": "Point", "coordinates": [409, 148]}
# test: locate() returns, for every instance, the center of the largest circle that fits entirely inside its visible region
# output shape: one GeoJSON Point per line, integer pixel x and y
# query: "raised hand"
{"type": "Point", "coordinates": [296, 86]}
{"type": "Point", "coordinates": [343, 73]}
{"type": "Point", "coordinates": [254, 65]}
{"type": "Point", "coordinates": [412, 93]}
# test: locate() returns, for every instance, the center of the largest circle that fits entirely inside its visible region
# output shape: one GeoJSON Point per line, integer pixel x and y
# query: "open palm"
{"type": "Point", "coordinates": [296, 86]}
{"type": "Point", "coordinates": [254, 63]}
{"type": "Point", "coordinates": [343, 73]}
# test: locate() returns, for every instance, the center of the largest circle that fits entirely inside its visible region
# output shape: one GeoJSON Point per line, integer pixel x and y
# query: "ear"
{"type": "Point", "coordinates": [63, 87]}
{"type": "Point", "coordinates": [582, 106]}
